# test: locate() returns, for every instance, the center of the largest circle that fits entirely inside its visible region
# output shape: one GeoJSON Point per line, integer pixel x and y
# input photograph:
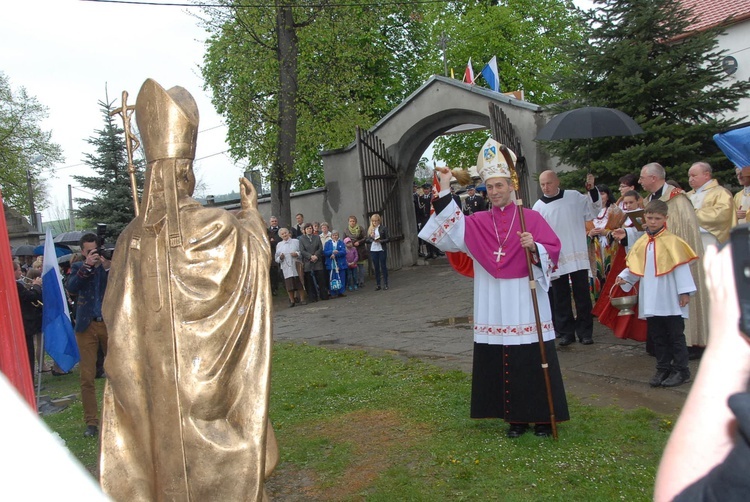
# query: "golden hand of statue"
{"type": "Point", "coordinates": [248, 196]}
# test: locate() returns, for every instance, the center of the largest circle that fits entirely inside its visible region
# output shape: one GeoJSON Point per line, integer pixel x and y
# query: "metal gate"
{"type": "Point", "coordinates": [504, 133]}
{"type": "Point", "coordinates": [381, 191]}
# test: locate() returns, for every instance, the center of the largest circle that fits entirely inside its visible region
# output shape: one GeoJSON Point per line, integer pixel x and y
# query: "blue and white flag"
{"type": "Point", "coordinates": [491, 75]}
{"type": "Point", "coordinates": [59, 339]}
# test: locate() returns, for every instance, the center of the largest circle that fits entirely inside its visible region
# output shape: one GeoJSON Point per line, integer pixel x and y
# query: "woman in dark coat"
{"type": "Point", "coordinates": [311, 249]}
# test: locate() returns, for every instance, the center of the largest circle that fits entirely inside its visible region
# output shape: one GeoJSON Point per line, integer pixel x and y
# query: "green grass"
{"type": "Point", "coordinates": [380, 428]}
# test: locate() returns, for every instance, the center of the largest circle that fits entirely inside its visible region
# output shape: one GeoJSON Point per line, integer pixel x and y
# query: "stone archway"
{"type": "Point", "coordinates": [405, 133]}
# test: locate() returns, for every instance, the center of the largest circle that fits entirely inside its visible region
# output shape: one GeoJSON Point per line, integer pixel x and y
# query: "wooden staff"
{"type": "Point", "coordinates": [532, 286]}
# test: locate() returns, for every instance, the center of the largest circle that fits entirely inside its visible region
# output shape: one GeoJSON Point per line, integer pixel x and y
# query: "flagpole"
{"type": "Point", "coordinates": [534, 301]}
{"type": "Point", "coordinates": [40, 367]}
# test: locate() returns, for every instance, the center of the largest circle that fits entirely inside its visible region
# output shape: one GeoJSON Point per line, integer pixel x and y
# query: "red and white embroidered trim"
{"type": "Point", "coordinates": [522, 329]}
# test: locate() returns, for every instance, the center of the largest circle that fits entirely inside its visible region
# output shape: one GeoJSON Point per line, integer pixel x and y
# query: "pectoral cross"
{"type": "Point", "coordinates": [498, 253]}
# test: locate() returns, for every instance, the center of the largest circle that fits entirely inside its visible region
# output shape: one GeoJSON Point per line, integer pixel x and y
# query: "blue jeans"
{"type": "Point", "coordinates": [351, 277]}
{"type": "Point", "coordinates": [379, 259]}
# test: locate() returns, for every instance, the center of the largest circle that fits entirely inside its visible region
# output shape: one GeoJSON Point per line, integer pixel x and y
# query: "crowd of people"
{"type": "Point", "coordinates": [85, 280]}
{"type": "Point", "coordinates": [317, 262]}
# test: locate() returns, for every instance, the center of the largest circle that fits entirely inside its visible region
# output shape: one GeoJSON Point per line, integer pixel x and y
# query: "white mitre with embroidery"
{"type": "Point", "coordinates": [491, 162]}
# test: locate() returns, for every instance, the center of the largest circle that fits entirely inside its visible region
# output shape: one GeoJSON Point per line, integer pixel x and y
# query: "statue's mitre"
{"type": "Point", "coordinates": [491, 162]}
{"type": "Point", "coordinates": [167, 121]}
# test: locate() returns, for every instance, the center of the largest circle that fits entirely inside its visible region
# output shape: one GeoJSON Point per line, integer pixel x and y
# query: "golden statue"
{"type": "Point", "coordinates": [188, 308]}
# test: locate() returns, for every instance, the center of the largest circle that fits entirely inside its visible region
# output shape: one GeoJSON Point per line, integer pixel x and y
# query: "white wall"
{"type": "Point", "coordinates": [737, 44]}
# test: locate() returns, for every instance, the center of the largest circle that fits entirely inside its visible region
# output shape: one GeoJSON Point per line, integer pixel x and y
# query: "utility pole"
{"type": "Point", "coordinates": [31, 199]}
{"type": "Point", "coordinates": [71, 217]}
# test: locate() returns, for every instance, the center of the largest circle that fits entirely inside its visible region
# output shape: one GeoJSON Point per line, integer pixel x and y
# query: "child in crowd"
{"type": "Point", "coordinates": [661, 260]}
{"type": "Point", "coordinates": [352, 257]}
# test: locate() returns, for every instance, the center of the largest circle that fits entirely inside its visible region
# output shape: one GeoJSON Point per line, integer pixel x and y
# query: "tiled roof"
{"type": "Point", "coordinates": [711, 13]}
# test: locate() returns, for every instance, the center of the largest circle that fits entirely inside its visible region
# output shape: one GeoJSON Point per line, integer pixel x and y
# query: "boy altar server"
{"type": "Point", "coordinates": [660, 260]}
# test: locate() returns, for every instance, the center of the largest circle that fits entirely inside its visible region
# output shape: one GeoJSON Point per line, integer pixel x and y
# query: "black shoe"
{"type": "Point", "coordinates": [100, 374]}
{"type": "Point", "coordinates": [517, 430]}
{"type": "Point", "coordinates": [658, 378]}
{"type": "Point", "coordinates": [377, 288]}
{"type": "Point", "coordinates": [91, 431]}
{"type": "Point", "coordinates": [341, 295]}
{"type": "Point", "coordinates": [543, 430]}
{"type": "Point", "coordinates": [291, 304]}
{"type": "Point", "coordinates": [676, 378]}
{"type": "Point", "coordinates": [385, 287]}
{"type": "Point", "coordinates": [60, 373]}
{"type": "Point", "coordinates": [587, 341]}
{"type": "Point", "coordinates": [567, 340]}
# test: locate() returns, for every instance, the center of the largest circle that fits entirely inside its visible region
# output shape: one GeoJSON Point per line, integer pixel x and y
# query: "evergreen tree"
{"type": "Point", "coordinates": [112, 203]}
{"type": "Point", "coordinates": [639, 58]}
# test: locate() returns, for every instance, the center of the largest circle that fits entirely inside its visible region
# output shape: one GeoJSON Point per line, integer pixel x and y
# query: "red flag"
{"type": "Point", "coordinates": [469, 73]}
{"type": "Point", "coordinates": [460, 262]}
{"type": "Point", "coordinates": [14, 360]}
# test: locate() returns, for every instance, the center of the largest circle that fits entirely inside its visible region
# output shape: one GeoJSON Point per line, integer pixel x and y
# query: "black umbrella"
{"type": "Point", "coordinates": [25, 250]}
{"type": "Point", "coordinates": [73, 237]}
{"type": "Point", "coordinates": [587, 123]}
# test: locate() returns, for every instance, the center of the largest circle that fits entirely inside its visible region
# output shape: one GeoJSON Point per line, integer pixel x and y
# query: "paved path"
{"type": "Point", "coordinates": [426, 314]}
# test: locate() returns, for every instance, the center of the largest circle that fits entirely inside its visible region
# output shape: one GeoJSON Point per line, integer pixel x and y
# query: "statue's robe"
{"type": "Point", "coordinates": [185, 413]}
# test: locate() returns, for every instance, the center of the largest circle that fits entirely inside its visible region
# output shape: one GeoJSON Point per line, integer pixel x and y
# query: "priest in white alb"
{"type": "Point", "coordinates": [507, 380]}
{"type": "Point", "coordinates": [567, 211]}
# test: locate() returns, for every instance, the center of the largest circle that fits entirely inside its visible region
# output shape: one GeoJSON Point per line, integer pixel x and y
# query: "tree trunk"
{"type": "Point", "coordinates": [287, 53]}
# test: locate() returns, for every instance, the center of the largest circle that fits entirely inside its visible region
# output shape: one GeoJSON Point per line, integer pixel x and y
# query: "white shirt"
{"type": "Point", "coordinates": [567, 217]}
{"type": "Point", "coordinates": [289, 264]}
{"type": "Point", "coordinates": [660, 296]}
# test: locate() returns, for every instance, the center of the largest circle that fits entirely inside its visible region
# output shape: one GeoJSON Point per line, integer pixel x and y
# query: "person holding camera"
{"type": "Point", "coordinates": [88, 280]}
{"type": "Point", "coordinates": [707, 456]}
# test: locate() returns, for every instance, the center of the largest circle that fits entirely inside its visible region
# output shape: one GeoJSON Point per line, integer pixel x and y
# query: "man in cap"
{"type": "Point", "coordinates": [567, 211]}
{"type": "Point", "coordinates": [474, 202]}
{"type": "Point", "coordinates": [507, 379]}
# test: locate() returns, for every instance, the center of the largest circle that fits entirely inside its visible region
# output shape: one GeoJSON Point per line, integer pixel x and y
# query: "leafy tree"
{"type": "Point", "coordinates": [527, 37]}
{"type": "Point", "coordinates": [111, 201]}
{"type": "Point", "coordinates": [296, 78]}
{"type": "Point", "coordinates": [24, 146]}
{"type": "Point", "coordinates": [639, 58]}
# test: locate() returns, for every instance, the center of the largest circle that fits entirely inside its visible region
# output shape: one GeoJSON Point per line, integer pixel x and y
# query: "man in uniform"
{"type": "Point", "coordinates": [567, 211]}
{"type": "Point", "coordinates": [473, 203]}
{"type": "Point", "coordinates": [714, 205]}
{"type": "Point", "coordinates": [507, 379]}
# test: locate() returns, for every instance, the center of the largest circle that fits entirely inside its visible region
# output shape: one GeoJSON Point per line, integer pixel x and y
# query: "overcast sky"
{"type": "Point", "coordinates": [64, 52]}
